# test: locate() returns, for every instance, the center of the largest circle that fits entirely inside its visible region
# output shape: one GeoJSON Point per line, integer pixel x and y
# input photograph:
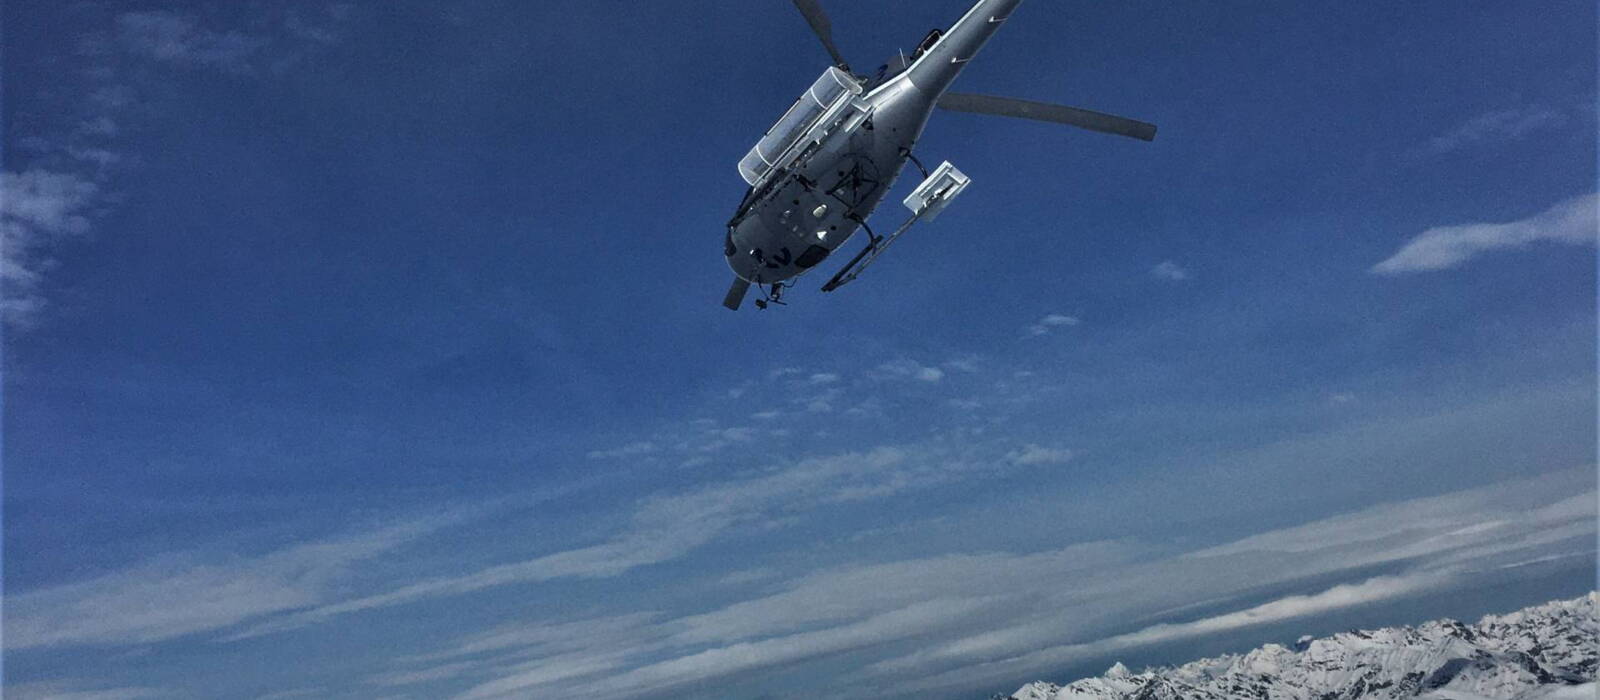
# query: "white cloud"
{"type": "Point", "coordinates": [99, 125]}
{"type": "Point", "coordinates": [736, 434]}
{"type": "Point", "coordinates": [181, 39]}
{"type": "Point", "coordinates": [907, 622]}
{"type": "Point", "coordinates": [663, 528]}
{"type": "Point", "coordinates": [853, 593]}
{"type": "Point", "coordinates": [824, 378]}
{"type": "Point", "coordinates": [1033, 454]}
{"type": "Point", "coordinates": [997, 606]}
{"type": "Point", "coordinates": [1433, 539]}
{"type": "Point", "coordinates": [169, 36]}
{"type": "Point", "coordinates": [1342, 596]}
{"type": "Point", "coordinates": [551, 638]}
{"type": "Point", "coordinates": [1498, 125]}
{"type": "Point", "coordinates": [870, 407]}
{"type": "Point", "coordinates": [74, 690]}
{"type": "Point", "coordinates": [38, 208]}
{"type": "Point", "coordinates": [1570, 221]}
{"type": "Point", "coordinates": [989, 616]}
{"type": "Point", "coordinates": [1051, 322]}
{"type": "Point", "coordinates": [746, 576]}
{"type": "Point", "coordinates": [313, 692]}
{"type": "Point", "coordinates": [542, 672]}
{"type": "Point", "coordinates": [1420, 519]}
{"type": "Point", "coordinates": [185, 594]}
{"type": "Point", "coordinates": [1170, 271]}
{"type": "Point", "coordinates": [69, 181]}
{"type": "Point", "coordinates": [909, 369]}
{"type": "Point", "coordinates": [46, 201]}
{"type": "Point", "coordinates": [968, 364]}
{"type": "Point", "coordinates": [654, 540]}
{"type": "Point", "coordinates": [425, 675]}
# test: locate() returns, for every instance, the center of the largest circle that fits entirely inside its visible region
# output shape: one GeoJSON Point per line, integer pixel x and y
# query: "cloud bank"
{"type": "Point", "coordinates": [1571, 221]}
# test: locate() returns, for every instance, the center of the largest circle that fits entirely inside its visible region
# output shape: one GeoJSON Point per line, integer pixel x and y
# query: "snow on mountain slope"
{"type": "Point", "coordinates": [1546, 652]}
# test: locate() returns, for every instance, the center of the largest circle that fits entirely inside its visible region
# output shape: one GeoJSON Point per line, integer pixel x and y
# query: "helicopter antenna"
{"type": "Point", "coordinates": [824, 30]}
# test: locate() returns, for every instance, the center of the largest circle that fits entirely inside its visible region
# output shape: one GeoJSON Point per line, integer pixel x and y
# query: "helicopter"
{"type": "Point", "coordinates": [822, 169]}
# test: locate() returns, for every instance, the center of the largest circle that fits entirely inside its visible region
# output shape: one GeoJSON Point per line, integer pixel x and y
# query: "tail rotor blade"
{"type": "Point", "coordinates": [823, 28]}
{"type": "Point", "coordinates": [1045, 112]}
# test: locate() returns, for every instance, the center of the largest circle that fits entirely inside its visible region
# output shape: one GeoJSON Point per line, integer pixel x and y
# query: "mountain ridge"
{"type": "Point", "coordinates": [1545, 651]}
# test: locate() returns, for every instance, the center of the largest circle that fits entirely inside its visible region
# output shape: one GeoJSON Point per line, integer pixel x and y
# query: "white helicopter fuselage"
{"type": "Point", "coordinates": [815, 191]}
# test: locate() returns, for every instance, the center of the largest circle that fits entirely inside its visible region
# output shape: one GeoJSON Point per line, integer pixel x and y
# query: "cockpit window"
{"type": "Point", "coordinates": [928, 42]}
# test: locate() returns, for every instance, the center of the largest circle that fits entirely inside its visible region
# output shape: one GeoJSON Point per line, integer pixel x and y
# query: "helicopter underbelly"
{"type": "Point", "coordinates": [819, 205]}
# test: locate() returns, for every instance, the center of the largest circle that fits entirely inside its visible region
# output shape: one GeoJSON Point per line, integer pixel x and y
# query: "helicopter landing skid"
{"type": "Point", "coordinates": [859, 263]}
{"type": "Point", "coordinates": [925, 203]}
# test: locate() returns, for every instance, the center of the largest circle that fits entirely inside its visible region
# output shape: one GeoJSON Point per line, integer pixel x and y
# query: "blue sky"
{"type": "Point", "coordinates": [374, 350]}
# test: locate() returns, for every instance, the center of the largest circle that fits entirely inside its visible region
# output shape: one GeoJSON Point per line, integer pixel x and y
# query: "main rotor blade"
{"type": "Point", "coordinates": [1045, 112]}
{"type": "Point", "coordinates": [824, 29]}
{"type": "Point", "coordinates": [736, 293]}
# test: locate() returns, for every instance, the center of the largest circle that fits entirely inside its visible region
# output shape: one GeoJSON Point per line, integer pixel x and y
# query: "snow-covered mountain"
{"type": "Point", "coordinates": [1547, 651]}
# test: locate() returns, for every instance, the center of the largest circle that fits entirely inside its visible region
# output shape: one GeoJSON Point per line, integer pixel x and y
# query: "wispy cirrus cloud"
{"type": "Point", "coordinates": [295, 587]}
{"type": "Point", "coordinates": [1373, 590]}
{"type": "Point", "coordinates": [941, 621]}
{"type": "Point", "coordinates": [38, 209]}
{"type": "Point", "coordinates": [168, 36]}
{"type": "Point", "coordinates": [276, 39]}
{"type": "Point", "coordinates": [670, 525]}
{"type": "Point", "coordinates": [1571, 221]}
{"type": "Point", "coordinates": [1490, 127]}
{"type": "Point", "coordinates": [632, 449]}
{"type": "Point", "coordinates": [185, 594]}
{"type": "Point", "coordinates": [1051, 322]}
{"type": "Point", "coordinates": [80, 690]}
{"type": "Point", "coordinates": [1435, 542]}
{"type": "Point", "coordinates": [63, 176]}
{"type": "Point", "coordinates": [904, 368]}
{"type": "Point", "coordinates": [999, 616]}
{"type": "Point", "coordinates": [965, 617]}
{"type": "Point", "coordinates": [1170, 271]}
{"type": "Point", "coordinates": [1031, 454]}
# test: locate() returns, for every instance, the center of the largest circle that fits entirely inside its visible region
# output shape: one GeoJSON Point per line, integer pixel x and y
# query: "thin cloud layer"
{"type": "Point", "coordinates": [73, 690]}
{"type": "Point", "coordinates": [909, 369]}
{"type": "Point", "coordinates": [1003, 616]}
{"type": "Point", "coordinates": [70, 167]}
{"type": "Point", "coordinates": [1495, 126]}
{"type": "Point", "coordinates": [671, 525]}
{"type": "Point", "coordinates": [1034, 454]}
{"type": "Point", "coordinates": [168, 36]}
{"type": "Point", "coordinates": [1169, 271]}
{"type": "Point", "coordinates": [188, 594]}
{"type": "Point", "coordinates": [1052, 322]}
{"type": "Point", "coordinates": [1571, 221]}
{"type": "Point", "coordinates": [38, 208]}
